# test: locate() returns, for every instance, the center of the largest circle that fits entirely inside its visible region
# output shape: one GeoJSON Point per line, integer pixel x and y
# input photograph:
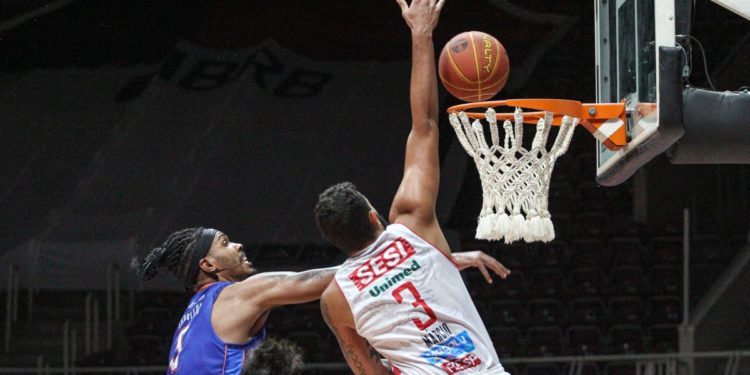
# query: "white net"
{"type": "Point", "coordinates": [515, 181]}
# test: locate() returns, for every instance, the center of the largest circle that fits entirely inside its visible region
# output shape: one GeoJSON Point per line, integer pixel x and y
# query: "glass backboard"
{"type": "Point", "coordinates": [628, 36]}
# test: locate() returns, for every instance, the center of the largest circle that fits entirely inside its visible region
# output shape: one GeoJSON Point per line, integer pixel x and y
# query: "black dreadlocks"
{"type": "Point", "coordinates": [175, 254]}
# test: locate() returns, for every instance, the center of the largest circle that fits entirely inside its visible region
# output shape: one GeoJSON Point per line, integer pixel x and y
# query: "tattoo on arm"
{"type": "Point", "coordinates": [352, 355]}
{"type": "Point", "coordinates": [275, 275]}
{"type": "Point", "coordinates": [313, 275]}
{"type": "Point", "coordinates": [347, 349]}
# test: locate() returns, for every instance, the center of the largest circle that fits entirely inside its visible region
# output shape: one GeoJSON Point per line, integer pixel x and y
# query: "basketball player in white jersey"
{"type": "Point", "coordinates": [399, 292]}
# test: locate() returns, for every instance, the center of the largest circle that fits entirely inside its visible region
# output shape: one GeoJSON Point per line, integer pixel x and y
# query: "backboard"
{"type": "Point", "coordinates": [628, 36]}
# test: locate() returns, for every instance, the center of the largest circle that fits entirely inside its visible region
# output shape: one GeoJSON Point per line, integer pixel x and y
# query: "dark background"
{"type": "Point", "coordinates": [551, 53]}
{"type": "Point", "coordinates": [56, 184]}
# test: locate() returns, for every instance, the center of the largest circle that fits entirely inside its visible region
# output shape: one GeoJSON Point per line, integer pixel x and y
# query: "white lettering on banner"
{"type": "Point", "coordinates": [216, 72]}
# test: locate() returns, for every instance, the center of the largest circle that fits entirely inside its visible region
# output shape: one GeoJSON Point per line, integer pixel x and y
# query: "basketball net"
{"type": "Point", "coordinates": [515, 181]}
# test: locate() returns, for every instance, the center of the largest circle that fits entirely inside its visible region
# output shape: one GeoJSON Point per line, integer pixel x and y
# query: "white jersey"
{"type": "Point", "coordinates": [409, 302]}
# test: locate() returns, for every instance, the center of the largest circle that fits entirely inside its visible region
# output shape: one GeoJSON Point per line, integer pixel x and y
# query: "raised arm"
{"type": "Point", "coordinates": [414, 202]}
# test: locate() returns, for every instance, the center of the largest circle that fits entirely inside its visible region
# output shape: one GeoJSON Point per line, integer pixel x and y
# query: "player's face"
{"type": "Point", "coordinates": [230, 258]}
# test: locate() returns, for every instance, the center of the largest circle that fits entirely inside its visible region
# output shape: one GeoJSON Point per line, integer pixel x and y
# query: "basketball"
{"type": "Point", "coordinates": [473, 66]}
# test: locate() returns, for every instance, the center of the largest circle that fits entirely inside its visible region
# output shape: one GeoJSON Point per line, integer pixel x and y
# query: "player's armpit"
{"type": "Point", "coordinates": [361, 357]}
{"type": "Point", "coordinates": [272, 289]}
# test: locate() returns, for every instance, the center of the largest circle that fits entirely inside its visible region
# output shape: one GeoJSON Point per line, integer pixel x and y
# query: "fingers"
{"type": "Point", "coordinates": [497, 267]}
{"type": "Point", "coordinates": [484, 272]}
{"type": "Point", "coordinates": [439, 4]}
{"type": "Point", "coordinates": [402, 4]}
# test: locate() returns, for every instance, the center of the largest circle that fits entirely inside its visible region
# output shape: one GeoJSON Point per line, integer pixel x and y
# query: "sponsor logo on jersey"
{"type": "Point", "coordinates": [388, 282]}
{"type": "Point", "coordinates": [437, 335]}
{"type": "Point", "coordinates": [396, 253]}
{"type": "Point", "coordinates": [460, 364]}
{"type": "Point", "coordinates": [452, 348]}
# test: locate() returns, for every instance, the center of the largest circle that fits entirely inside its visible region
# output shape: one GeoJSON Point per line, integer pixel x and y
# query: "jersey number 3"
{"type": "Point", "coordinates": [418, 302]}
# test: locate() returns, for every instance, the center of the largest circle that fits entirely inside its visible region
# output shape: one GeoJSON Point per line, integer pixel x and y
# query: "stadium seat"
{"type": "Point", "coordinates": [547, 283]}
{"type": "Point", "coordinates": [666, 249]}
{"type": "Point", "coordinates": [628, 280]}
{"type": "Point", "coordinates": [545, 312]}
{"type": "Point", "coordinates": [514, 287]}
{"type": "Point", "coordinates": [507, 341]}
{"type": "Point", "coordinates": [544, 342]}
{"type": "Point", "coordinates": [664, 338]}
{"type": "Point", "coordinates": [585, 340]}
{"type": "Point", "coordinates": [546, 254]}
{"type": "Point", "coordinates": [627, 310]}
{"type": "Point", "coordinates": [307, 317]}
{"type": "Point", "coordinates": [592, 224]}
{"type": "Point", "coordinates": [626, 225]}
{"type": "Point", "coordinates": [627, 251]}
{"type": "Point", "coordinates": [626, 339]}
{"type": "Point", "coordinates": [147, 349]}
{"type": "Point", "coordinates": [666, 280]}
{"type": "Point", "coordinates": [588, 252]}
{"type": "Point", "coordinates": [587, 282]}
{"type": "Point", "coordinates": [483, 293]}
{"type": "Point", "coordinates": [588, 311]}
{"type": "Point", "coordinates": [510, 255]}
{"type": "Point", "coordinates": [664, 310]}
{"type": "Point", "coordinates": [509, 313]}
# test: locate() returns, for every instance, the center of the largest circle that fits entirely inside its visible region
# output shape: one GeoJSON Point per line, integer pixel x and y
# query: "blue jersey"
{"type": "Point", "coordinates": [196, 349]}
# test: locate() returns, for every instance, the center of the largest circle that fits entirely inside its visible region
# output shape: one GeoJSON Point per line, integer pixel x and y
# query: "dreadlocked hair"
{"type": "Point", "coordinates": [175, 254]}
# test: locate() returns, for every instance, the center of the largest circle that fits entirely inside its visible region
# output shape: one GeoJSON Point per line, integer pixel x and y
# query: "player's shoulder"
{"type": "Point", "coordinates": [401, 229]}
{"type": "Point", "coordinates": [332, 292]}
{"type": "Point", "coordinates": [334, 307]}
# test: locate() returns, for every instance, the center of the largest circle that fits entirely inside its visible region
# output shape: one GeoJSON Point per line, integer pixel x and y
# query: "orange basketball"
{"type": "Point", "coordinates": [473, 66]}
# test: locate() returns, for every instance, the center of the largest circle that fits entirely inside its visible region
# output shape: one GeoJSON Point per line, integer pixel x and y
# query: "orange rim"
{"type": "Point", "coordinates": [592, 115]}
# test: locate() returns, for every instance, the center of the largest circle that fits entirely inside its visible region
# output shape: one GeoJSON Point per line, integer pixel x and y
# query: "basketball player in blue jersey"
{"type": "Point", "coordinates": [225, 318]}
{"type": "Point", "coordinates": [400, 294]}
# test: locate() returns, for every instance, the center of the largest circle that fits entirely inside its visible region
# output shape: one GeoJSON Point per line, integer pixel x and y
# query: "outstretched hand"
{"type": "Point", "coordinates": [421, 15]}
{"type": "Point", "coordinates": [481, 261]}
